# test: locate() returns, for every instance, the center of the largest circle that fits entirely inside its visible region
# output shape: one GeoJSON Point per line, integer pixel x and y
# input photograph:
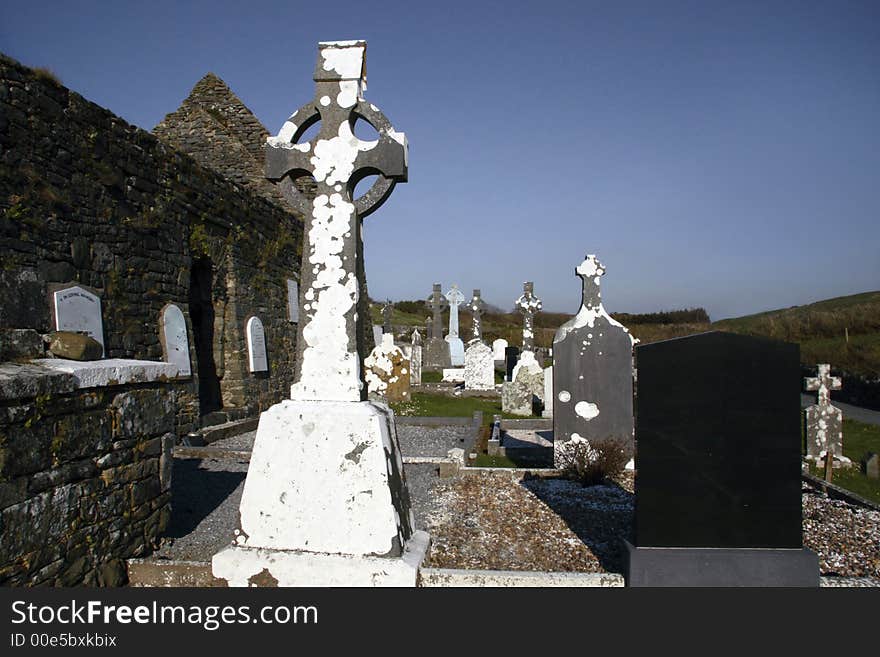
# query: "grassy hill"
{"type": "Point", "coordinates": [844, 331]}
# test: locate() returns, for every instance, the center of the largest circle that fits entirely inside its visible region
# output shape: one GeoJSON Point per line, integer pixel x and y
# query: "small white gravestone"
{"type": "Point", "coordinates": [548, 392]}
{"type": "Point", "coordinates": [79, 311]}
{"type": "Point", "coordinates": [479, 368]}
{"type": "Point", "coordinates": [293, 300]}
{"type": "Point", "coordinates": [256, 343]}
{"type": "Point", "coordinates": [498, 347]}
{"type": "Point", "coordinates": [175, 342]}
{"type": "Point", "coordinates": [377, 334]}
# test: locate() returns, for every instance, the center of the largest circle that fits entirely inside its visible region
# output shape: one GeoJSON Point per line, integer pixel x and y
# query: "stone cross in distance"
{"type": "Point", "coordinates": [455, 299]}
{"type": "Point", "coordinates": [528, 305]}
{"type": "Point", "coordinates": [328, 362]}
{"type": "Point", "coordinates": [476, 308]}
{"type": "Point", "coordinates": [823, 384]}
{"type": "Point", "coordinates": [437, 303]}
{"type": "Point", "coordinates": [387, 310]}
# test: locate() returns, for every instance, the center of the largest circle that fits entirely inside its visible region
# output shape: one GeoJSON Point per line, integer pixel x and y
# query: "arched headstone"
{"type": "Point", "coordinates": [174, 338]}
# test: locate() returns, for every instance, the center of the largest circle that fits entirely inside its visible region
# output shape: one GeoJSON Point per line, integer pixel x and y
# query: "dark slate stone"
{"type": "Point", "coordinates": [592, 370]}
{"type": "Point", "coordinates": [511, 357]}
{"type": "Point", "coordinates": [718, 450]}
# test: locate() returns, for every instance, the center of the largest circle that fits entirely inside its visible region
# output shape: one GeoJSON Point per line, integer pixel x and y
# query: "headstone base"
{"type": "Point", "coordinates": [650, 566]}
{"type": "Point", "coordinates": [242, 566]}
{"type": "Point", "coordinates": [325, 478]}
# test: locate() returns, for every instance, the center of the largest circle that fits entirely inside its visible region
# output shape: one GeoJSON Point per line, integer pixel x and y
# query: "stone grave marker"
{"type": "Point", "coordinates": [256, 345]}
{"type": "Point", "coordinates": [77, 309]}
{"type": "Point", "coordinates": [528, 304]}
{"type": "Point", "coordinates": [592, 372]}
{"type": "Point", "coordinates": [823, 422]}
{"type": "Point", "coordinates": [479, 367]}
{"type": "Point", "coordinates": [174, 338]}
{"type": "Point", "coordinates": [436, 354]}
{"type": "Point", "coordinates": [377, 334]}
{"type": "Point", "coordinates": [325, 502]}
{"type": "Point", "coordinates": [498, 347]}
{"type": "Point", "coordinates": [511, 357]}
{"type": "Point", "coordinates": [415, 361]}
{"type": "Point", "coordinates": [292, 300]}
{"type": "Point", "coordinates": [476, 307]}
{"type": "Point", "coordinates": [718, 476]}
{"type": "Point", "coordinates": [456, 347]}
{"type": "Point", "coordinates": [387, 371]}
{"type": "Point", "coordinates": [548, 392]}
{"type": "Point", "coordinates": [872, 466]}
{"type": "Point", "coordinates": [387, 312]}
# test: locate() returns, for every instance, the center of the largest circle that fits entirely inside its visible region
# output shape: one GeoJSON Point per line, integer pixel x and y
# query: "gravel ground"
{"type": "Point", "coordinates": [494, 521]}
{"type": "Point", "coordinates": [432, 441]}
{"type": "Point", "coordinates": [243, 441]}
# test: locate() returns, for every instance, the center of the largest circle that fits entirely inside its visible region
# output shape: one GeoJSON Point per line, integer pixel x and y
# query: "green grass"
{"type": "Point", "coordinates": [432, 377]}
{"type": "Point", "coordinates": [858, 438]}
{"type": "Point", "coordinates": [431, 405]}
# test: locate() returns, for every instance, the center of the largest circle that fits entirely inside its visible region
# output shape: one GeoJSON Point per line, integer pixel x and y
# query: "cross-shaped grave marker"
{"type": "Point", "coordinates": [387, 311]}
{"type": "Point", "coordinates": [476, 308]}
{"type": "Point", "coordinates": [456, 346]}
{"type": "Point", "coordinates": [824, 422]}
{"type": "Point", "coordinates": [325, 502]}
{"type": "Point", "coordinates": [328, 362]}
{"type": "Point", "coordinates": [437, 304]}
{"type": "Point", "coordinates": [528, 305]}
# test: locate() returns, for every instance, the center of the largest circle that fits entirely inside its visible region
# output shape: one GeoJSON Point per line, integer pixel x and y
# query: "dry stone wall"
{"type": "Point", "coordinates": [85, 476]}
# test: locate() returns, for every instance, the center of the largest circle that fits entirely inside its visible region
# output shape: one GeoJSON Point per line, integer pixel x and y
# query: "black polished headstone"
{"type": "Point", "coordinates": [511, 357]}
{"type": "Point", "coordinates": [718, 451]}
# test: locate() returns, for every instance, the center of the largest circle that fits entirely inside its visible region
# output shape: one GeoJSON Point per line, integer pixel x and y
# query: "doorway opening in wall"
{"type": "Point", "coordinates": [201, 311]}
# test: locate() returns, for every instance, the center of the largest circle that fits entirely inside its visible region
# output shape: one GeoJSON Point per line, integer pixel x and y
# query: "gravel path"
{"type": "Point", "coordinates": [495, 521]}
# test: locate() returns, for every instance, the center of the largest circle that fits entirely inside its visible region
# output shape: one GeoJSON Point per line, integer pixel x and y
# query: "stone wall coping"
{"type": "Point", "coordinates": [111, 371]}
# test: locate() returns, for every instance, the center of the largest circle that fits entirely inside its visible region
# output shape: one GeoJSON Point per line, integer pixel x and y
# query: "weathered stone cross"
{"type": "Point", "coordinates": [437, 303]}
{"type": "Point", "coordinates": [476, 308]}
{"type": "Point", "coordinates": [528, 305]}
{"type": "Point", "coordinates": [328, 359]}
{"type": "Point", "coordinates": [455, 299]}
{"type": "Point", "coordinates": [823, 384]}
{"type": "Point", "coordinates": [387, 311]}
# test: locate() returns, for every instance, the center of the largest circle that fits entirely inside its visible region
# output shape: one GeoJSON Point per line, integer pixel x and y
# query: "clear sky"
{"type": "Point", "coordinates": [715, 154]}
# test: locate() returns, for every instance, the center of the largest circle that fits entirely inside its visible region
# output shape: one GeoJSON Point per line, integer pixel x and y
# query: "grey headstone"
{"type": "Point", "coordinates": [78, 310]}
{"type": "Point", "coordinates": [256, 345]}
{"type": "Point", "coordinates": [511, 357]}
{"type": "Point", "coordinates": [824, 422]}
{"type": "Point", "coordinates": [517, 397]}
{"type": "Point", "coordinates": [174, 338]}
{"type": "Point", "coordinates": [592, 371]}
{"type": "Point", "coordinates": [292, 300]}
{"type": "Point", "coordinates": [479, 367]}
{"type": "Point", "coordinates": [436, 354]}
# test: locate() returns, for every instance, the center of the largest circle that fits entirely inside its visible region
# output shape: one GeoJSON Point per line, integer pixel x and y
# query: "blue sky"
{"type": "Point", "coordinates": [715, 154]}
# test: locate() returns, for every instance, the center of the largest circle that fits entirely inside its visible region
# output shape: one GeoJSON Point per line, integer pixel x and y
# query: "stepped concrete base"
{"type": "Point", "coordinates": [651, 566]}
{"type": "Point", "coordinates": [257, 567]}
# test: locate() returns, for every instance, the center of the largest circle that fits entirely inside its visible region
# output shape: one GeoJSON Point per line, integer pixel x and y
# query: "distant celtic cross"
{"type": "Point", "coordinates": [455, 299]}
{"type": "Point", "coordinates": [476, 308]}
{"type": "Point", "coordinates": [328, 362]}
{"type": "Point", "coordinates": [387, 311]}
{"type": "Point", "coordinates": [528, 305]}
{"type": "Point", "coordinates": [437, 303]}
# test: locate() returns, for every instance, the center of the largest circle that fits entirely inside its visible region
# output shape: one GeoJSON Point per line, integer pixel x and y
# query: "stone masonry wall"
{"type": "Point", "coordinates": [84, 476]}
{"type": "Point", "coordinates": [86, 197]}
